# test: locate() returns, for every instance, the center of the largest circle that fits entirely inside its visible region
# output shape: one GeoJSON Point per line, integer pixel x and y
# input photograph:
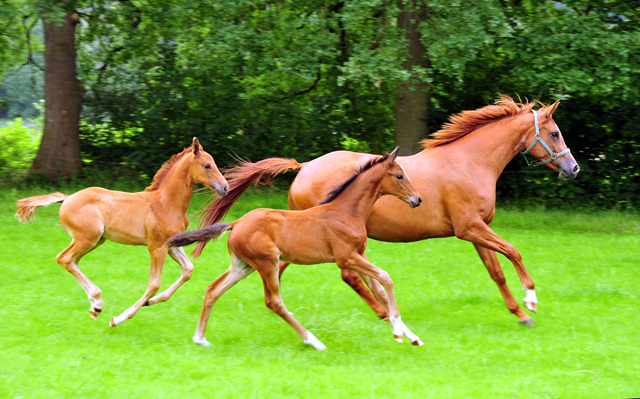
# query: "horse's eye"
{"type": "Point", "coordinates": [554, 135]}
{"type": "Point", "coordinates": [399, 177]}
{"type": "Point", "coordinates": [207, 166]}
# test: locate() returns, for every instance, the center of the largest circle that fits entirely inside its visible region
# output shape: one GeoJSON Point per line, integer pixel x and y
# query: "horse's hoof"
{"type": "Point", "coordinates": [532, 306]}
{"type": "Point", "coordinates": [417, 342]}
{"type": "Point", "coordinates": [201, 341]}
{"type": "Point", "coordinates": [398, 338]}
{"type": "Point", "coordinates": [527, 322]}
{"type": "Point", "coordinates": [95, 313]}
{"type": "Point", "coordinates": [112, 323]}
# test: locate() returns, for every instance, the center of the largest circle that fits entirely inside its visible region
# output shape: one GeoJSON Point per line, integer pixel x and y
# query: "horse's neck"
{"type": "Point", "coordinates": [177, 187]}
{"type": "Point", "coordinates": [491, 147]}
{"type": "Point", "coordinates": [357, 200]}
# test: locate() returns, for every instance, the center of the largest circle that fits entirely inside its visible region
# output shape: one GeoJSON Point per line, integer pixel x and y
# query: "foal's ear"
{"type": "Point", "coordinates": [394, 154]}
{"type": "Point", "coordinates": [196, 146]}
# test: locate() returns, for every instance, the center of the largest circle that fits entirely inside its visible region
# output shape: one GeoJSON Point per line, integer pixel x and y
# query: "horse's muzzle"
{"type": "Point", "coordinates": [413, 202]}
{"type": "Point", "coordinates": [571, 173]}
{"type": "Point", "coordinates": [221, 189]}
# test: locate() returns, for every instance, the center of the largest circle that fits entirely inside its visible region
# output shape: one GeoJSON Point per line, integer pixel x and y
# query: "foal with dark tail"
{"type": "Point", "coordinates": [94, 215]}
{"type": "Point", "coordinates": [331, 232]}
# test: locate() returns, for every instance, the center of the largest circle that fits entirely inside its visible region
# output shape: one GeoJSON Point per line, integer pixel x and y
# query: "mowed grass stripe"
{"type": "Point", "coordinates": [585, 343]}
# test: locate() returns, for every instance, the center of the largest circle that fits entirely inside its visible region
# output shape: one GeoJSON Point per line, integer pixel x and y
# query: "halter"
{"type": "Point", "coordinates": [537, 138]}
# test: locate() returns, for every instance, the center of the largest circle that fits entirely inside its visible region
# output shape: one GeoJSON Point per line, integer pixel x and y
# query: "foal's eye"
{"type": "Point", "coordinates": [554, 135]}
{"type": "Point", "coordinates": [399, 177]}
{"type": "Point", "coordinates": [207, 166]}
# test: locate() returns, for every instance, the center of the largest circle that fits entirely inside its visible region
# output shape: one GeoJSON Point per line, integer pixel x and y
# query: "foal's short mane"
{"type": "Point", "coordinates": [465, 122]}
{"type": "Point", "coordinates": [164, 170]}
{"type": "Point", "coordinates": [333, 194]}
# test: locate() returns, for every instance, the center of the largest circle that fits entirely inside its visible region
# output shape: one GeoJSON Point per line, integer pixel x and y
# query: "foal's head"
{"type": "Point", "coordinates": [559, 158]}
{"type": "Point", "coordinates": [203, 170]}
{"type": "Point", "coordinates": [397, 183]}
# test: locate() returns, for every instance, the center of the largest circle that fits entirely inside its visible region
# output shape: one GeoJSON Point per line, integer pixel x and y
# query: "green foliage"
{"type": "Point", "coordinates": [19, 141]}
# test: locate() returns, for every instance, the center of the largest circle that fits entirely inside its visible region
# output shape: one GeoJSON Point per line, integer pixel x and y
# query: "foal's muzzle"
{"type": "Point", "coordinates": [221, 189]}
{"type": "Point", "coordinates": [415, 202]}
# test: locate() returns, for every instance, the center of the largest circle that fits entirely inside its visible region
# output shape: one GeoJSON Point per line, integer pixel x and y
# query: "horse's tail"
{"type": "Point", "coordinates": [26, 207]}
{"type": "Point", "coordinates": [203, 235]}
{"type": "Point", "coordinates": [240, 178]}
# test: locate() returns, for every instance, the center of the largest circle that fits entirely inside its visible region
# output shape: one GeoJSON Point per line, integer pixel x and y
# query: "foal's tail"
{"type": "Point", "coordinates": [240, 178]}
{"type": "Point", "coordinates": [27, 206]}
{"type": "Point", "coordinates": [203, 235]}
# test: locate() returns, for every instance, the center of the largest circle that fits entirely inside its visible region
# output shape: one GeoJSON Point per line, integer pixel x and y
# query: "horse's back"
{"type": "Point", "coordinates": [117, 215]}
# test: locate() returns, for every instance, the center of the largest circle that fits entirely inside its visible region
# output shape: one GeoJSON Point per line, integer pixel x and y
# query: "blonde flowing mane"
{"type": "Point", "coordinates": [164, 170]}
{"type": "Point", "coordinates": [465, 122]}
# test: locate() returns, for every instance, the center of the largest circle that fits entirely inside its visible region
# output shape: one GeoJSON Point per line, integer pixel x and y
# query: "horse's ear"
{"type": "Point", "coordinates": [549, 111]}
{"type": "Point", "coordinates": [394, 154]}
{"type": "Point", "coordinates": [196, 146]}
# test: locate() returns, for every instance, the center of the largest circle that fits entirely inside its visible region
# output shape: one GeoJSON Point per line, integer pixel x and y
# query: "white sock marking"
{"type": "Point", "coordinates": [531, 296]}
{"type": "Point", "coordinates": [313, 341]}
{"type": "Point", "coordinates": [201, 341]}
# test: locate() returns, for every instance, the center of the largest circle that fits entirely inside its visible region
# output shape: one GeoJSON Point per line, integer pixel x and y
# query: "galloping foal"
{"type": "Point", "coordinates": [332, 232]}
{"type": "Point", "coordinates": [93, 215]}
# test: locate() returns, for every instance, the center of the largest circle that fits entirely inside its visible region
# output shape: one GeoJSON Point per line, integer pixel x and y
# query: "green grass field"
{"type": "Point", "coordinates": [585, 345]}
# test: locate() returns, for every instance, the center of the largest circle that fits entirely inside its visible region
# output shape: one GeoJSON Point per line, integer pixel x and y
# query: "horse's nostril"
{"type": "Point", "coordinates": [576, 169]}
{"type": "Point", "coordinates": [419, 200]}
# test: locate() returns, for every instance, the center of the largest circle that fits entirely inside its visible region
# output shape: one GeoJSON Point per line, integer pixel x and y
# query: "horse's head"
{"type": "Point", "coordinates": [203, 170]}
{"type": "Point", "coordinates": [547, 145]}
{"type": "Point", "coordinates": [397, 183]}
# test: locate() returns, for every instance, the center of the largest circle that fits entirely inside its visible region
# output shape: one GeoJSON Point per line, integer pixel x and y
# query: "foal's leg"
{"type": "Point", "coordinates": [158, 257]}
{"type": "Point", "coordinates": [490, 260]}
{"type": "Point", "coordinates": [479, 233]}
{"type": "Point", "coordinates": [269, 273]}
{"type": "Point", "coordinates": [180, 257]}
{"type": "Point", "coordinates": [353, 279]}
{"type": "Point", "coordinates": [69, 259]}
{"type": "Point", "coordinates": [236, 272]}
{"type": "Point", "coordinates": [362, 266]}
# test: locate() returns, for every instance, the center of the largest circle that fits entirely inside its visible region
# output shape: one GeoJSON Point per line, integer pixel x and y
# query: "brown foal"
{"type": "Point", "coordinates": [456, 174]}
{"type": "Point", "coordinates": [332, 232]}
{"type": "Point", "coordinates": [93, 215]}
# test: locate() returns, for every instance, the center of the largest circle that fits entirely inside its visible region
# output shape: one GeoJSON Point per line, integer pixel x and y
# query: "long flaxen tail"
{"type": "Point", "coordinates": [202, 235]}
{"type": "Point", "coordinates": [240, 178]}
{"type": "Point", "coordinates": [26, 207]}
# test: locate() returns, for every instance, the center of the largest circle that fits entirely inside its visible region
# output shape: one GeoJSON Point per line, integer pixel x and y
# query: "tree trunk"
{"type": "Point", "coordinates": [412, 98]}
{"type": "Point", "coordinates": [59, 151]}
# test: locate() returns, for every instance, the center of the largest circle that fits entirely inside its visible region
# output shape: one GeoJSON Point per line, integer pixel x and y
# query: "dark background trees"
{"type": "Point", "coordinates": [301, 78]}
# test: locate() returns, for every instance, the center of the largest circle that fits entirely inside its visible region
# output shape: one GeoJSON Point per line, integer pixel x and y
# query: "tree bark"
{"type": "Point", "coordinates": [412, 98]}
{"type": "Point", "coordinates": [59, 151]}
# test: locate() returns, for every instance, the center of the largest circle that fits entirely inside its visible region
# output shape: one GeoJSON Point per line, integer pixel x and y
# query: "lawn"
{"type": "Point", "coordinates": [585, 344]}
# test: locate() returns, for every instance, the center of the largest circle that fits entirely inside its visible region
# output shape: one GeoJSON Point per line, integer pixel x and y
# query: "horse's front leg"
{"type": "Point", "coordinates": [158, 256]}
{"type": "Point", "coordinates": [362, 266]}
{"type": "Point", "coordinates": [490, 260]}
{"type": "Point", "coordinates": [480, 234]}
{"type": "Point", "coordinates": [181, 258]}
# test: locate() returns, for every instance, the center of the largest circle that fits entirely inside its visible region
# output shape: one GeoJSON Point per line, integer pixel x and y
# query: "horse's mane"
{"type": "Point", "coordinates": [465, 122]}
{"type": "Point", "coordinates": [164, 170]}
{"type": "Point", "coordinates": [360, 169]}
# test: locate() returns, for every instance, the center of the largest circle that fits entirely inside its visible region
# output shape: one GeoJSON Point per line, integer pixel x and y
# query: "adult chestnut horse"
{"type": "Point", "coordinates": [456, 174]}
{"type": "Point", "coordinates": [332, 232]}
{"type": "Point", "coordinates": [93, 215]}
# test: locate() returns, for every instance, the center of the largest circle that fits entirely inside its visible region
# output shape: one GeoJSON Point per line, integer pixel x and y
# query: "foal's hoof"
{"type": "Point", "coordinates": [532, 306]}
{"type": "Point", "coordinates": [201, 341]}
{"type": "Point", "coordinates": [398, 338]}
{"type": "Point", "coordinates": [417, 342]}
{"type": "Point", "coordinates": [527, 322]}
{"type": "Point", "coordinates": [112, 323]}
{"type": "Point", "coordinates": [95, 313]}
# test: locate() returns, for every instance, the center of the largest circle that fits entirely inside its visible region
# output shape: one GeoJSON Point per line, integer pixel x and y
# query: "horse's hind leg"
{"type": "Point", "coordinates": [269, 272]}
{"type": "Point", "coordinates": [236, 272]}
{"type": "Point", "coordinates": [490, 261]}
{"type": "Point", "coordinates": [180, 257]}
{"type": "Point", "coordinates": [69, 259]}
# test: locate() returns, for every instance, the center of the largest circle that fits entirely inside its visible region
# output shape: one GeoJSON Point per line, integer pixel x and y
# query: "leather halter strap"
{"type": "Point", "coordinates": [538, 138]}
